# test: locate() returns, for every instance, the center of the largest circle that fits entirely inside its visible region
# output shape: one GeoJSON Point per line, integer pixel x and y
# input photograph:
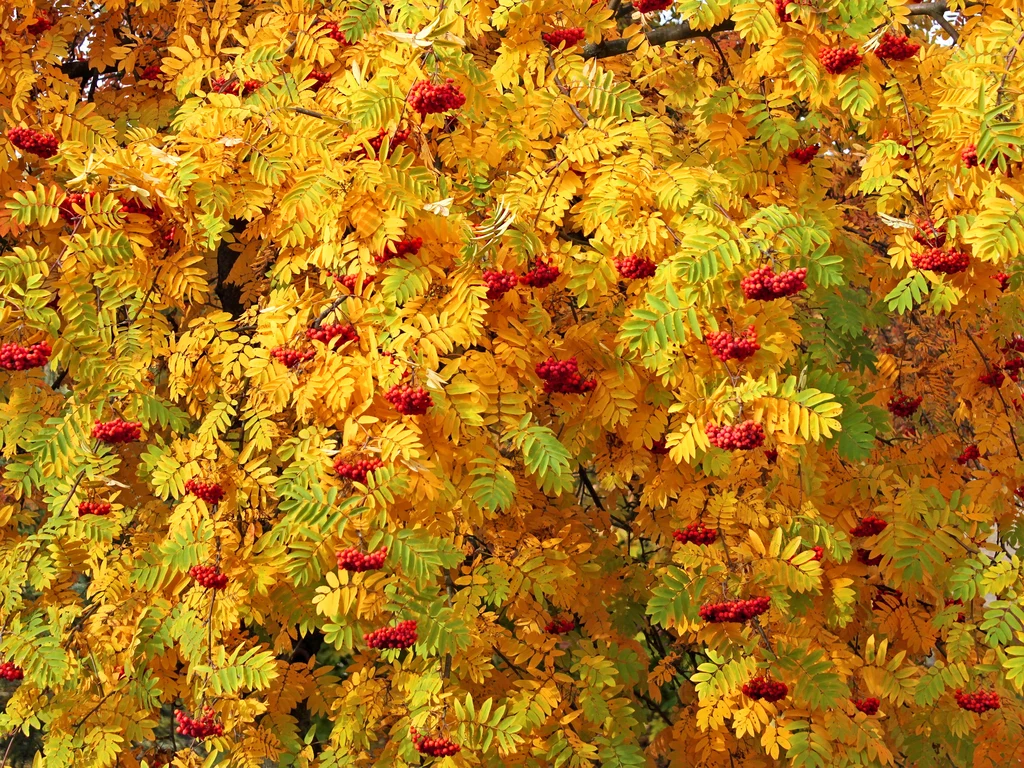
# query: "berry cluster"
{"type": "Point", "coordinates": [319, 78]}
{"type": "Point", "coordinates": [969, 156]}
{"type": "Point", "coordinates": [804, 155]}
{"type": "Point", "coordinates": [40, 24]}
{"type": "Point", "coordinates": [211, 493]}
{"type": "Point", "coordinates": [499, 282]}
{"type": "Point", "coordinates": [117, 431]}
{"type": "Point", "coordinates": [567, 37]}
{"type": "Point", "coordinates": [541, 276]}
{"type": "Point", "coordinates": [658, 447]}
{"type": "Point", "coordinates": [819, 553]}
{"type": "Point", "coordinates": [333, 335]}
{"type": "Point", "coordinates": [224, 85]}
{"type": "Point", "coordinates": [290, 358]}
{"type": "Point", "coordinates": [560, 626]}
{"type": "Point", "coordinates": [563, 377]}
{"type": "Point", "coordinates": [14, 357]}
{"type": "Point", "coordinates": [428, 99]}
{"type": "Point", "coordinates": [152, 72]}
{"type": "Point", "coordinates": [335, 33]}
{"type": "Point", "coordinates": [409, 400]}
{"type": "Point", "coordinates": [960, 617]}
{"type": "Point", "coordinates": [696, 533]}
{"type": "Point", "coordinates": [1013, 367]}
{"type": "Point", "coordinates": [201, 727]}
{"type": "Point", "coordinates": [408, 245]}
{"type": "Point", "coordinates": [1015, 344]}
{"type": "Point", "coordinates": [390, 638]}
{"type": "Point", "coordinates": [764, 285]}
{"type": "Point", "coordinates": [435, 746]}
{"type": "Point", "coordinates": [992, 379]}
{"type": "Point", "coordinates": [979, 701]}
{"type": "Point", "coordinates": [772, 455]}
{"type": "Point", "coordinates": [635, 267]}
{"type": "Point", "coordinates": [734, 610]}
{"type": "Point", "coordinates": [764, 688]}
{"type": "Point", "coordinates": [839, 60]}
{"type": "Point", "coordinates": [94, 508]}
{"type": "Point", "coordinates": [1004, 281]}
{"type": "Point", "coordinates": [901, 404]}
{"type": "Point", "coordinates": [868, 706]}
{"type": "Point", "coordinates": [928, 235]}
{"type": "Point", "coordinates": [728, 346]}
{"type": "Point", "coordinates": [744, 436]}
{"type": "Point", "coordinates": [133, 205]}
{"type": "Point", "coordinates": [864, 557]}
{"type": "Point", "coordinates": [780, 11]}
{"type": "Point", "coordinates": [10, 671]}
{"type": "Point", "coordinates": [869, 526]}
{"type": "Point", "coordinates": [401, 135]}
{"type": "Point", "coordinates": [208, 576]}
{"type": "Point", "coordinates": [651, 6]}
{"type": "Point", "coordinates": [896, 48]}
{"type": "Point", "coordinates": [351, 281]}
{"type": "Point", "coordinates": [69, 203]}
{"type": "Point", "coordinates": [939, 260]}
{"type": "Point", "coordinates": [357, 562]}
{"type": "Point", "coordinates": [40, 144]}
{"type": "Point", "coordinates": [251, 86]}
{"type": "Point", "coordinates": [356, 471]}
{"type": "Point", "coordinates": [970, 453]}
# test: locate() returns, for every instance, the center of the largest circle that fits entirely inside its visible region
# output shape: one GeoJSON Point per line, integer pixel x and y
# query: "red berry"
{"type": "Point", "coordinates": [358, 470]}
{"type": "Point", "coordinates": [728, 346]}
{"type": "Point", "coordinates": [696, 533]}
{"type": "Point", "coordinates": [651, 6]}
{"type": "Point", "coordinates": [969, 156]}
{"type": "Point", "coordinates": [928, 235]}
{"type": "Point", "coordinates": [410, 246]}
{"type": "Point", "coordinates": [93, 508]}
{"type": "Point", "coordinates": [992, 379]}
{"type": "Point", "coordinates": [41, 23]}
{"type": "Point", "coordinates": [734, 610]}
{"type": "Point", "coordinates": [251, 86]}
{"type": "Point", "coordinates": [1004, 280]}
{"type": "Point", "coordinates": [564, 37]}
{"type": "Point", "coordinates": [15, 357]}
{"type": "Point", "coordinates": [333, 335]}
{"type": "Point", "coordinates": [42, 145]}
{"type": "Point", "coordinates": [399, 137]}
{"type": "Point", "coordinates": [766, 689]}
{"type": "Point", "coordinates": [319, 78]}
{"type": "Point", "coordinates": [357, 562]}
{"type": "Point", "coordinates": [772, 455]}
{"type": "Point", "coordinates": [869, 526]}
{"type": "Point", "coordinates": [764, 285]}
{"type": "Point", "coordinates": [635, 267]}
{"type": "Point", "coordinates": [224, 85]}
{"type": "Point", "coordinates": [839, 60]}
{"type": "Point", "coordinates": [970, 453]}
{"type": "Point", "coordinates": [434, 747]}
{"type": "Point", "coordinates": [70, 203]}
{"type": "Point", "coordinates": [979, 701]}
{"type": "Point", "coordinates": [904, 405]}
{"type": "Point", "coordinates": [564, 377]}
{"type": "Point", "coordinates": [408, 400]}
{"type": "Point", "coordinates": [804, 155]}
{"type": "Point", "coordinates": [116, 431]}
{"type": "Point", "coordinates": [942, 261]}
{"type": "Point", "coordinates": [744, 436]}
{"type": "Point", "coordinates": [201, 727]}
{"type": "Point", "coordinates": [541, 276]}
{"type": "Point", "coordinates": [427, 98]}
{"type": "Point", "coordinates": [208, 576]}
{"type": "Point", "coordinates": [658, 447]}
{"type": "Point", "coordinates": [780, 11]}
{"type": "Point", "coordinates": [10, 671]}
{"type": "Point", "coordinates": [896, 48]}
{"type": "Point", "coordinates": [867, 706]}
{"type": "Point", "coordinates": [960, 617]}
{"type": "Point", "coordinates": [290, 358]}
{"type": "Point", "coordinates": [334, 32]}
{"type": "Point", "coordinates": [560, 626]}
{"type": "Point", "coordinates": [132, 205]}
{"type": "Point", "coordinates": [401, 636]}
{"type": "Point", "coordinates": [152, 72]}
{"type": "Point", "coordinates": [499, 282]}
{"type": "Point", "coordinates": [211, 493]}
{"type": "Point", "coordinates": [352, 282]}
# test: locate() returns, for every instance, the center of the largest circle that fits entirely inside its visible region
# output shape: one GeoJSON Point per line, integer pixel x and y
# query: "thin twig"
{"type": "Point", "coordinates": [566, 92]}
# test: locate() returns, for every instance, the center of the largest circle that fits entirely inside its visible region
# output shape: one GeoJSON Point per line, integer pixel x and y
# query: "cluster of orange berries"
{"type": "Point", "coordinates": [117, 431]}
{"type": "Point", "coordinates": [133, 205]}
{"type": "Point", "coordinates": [409, 400]}
{"type": "Point", "coordinates": [763, 284]}
{"type": "Point", "coordinates": [994, 379]}
{"type": "Point", "coordinates": [541, 276]}
{"type": "Point", "coordinates": [868, 706]}
{"type": "Point", "coordinates": [357, 562]}
{"type": "Point", "coordinates": [970, 453]}
{"type": "Point", "coordinates": [567, 37]}
{"type": "Point", "coordinates": [68, 204]}
{"type": "Point", "coordinates": [15, 357]}
{"type": "Point", "coordinates": [560, 626]}
{"type": "Point", "coordinates": [804, 155]}
{"type": "Point", "coordinates": [499, 282]}
{"type": "Point", "coordinates": [435, 746]}
{"type": "Point", "coordinates": [969, 157]}
{"type": "Point", "coordinates": [839, 60]}
{"type": "Point", "coordinates": [352, 281]}
{"type": "Point", "coordinates": [401, 135]}
{"type": "Point", "coordinates": [333, 335]}
{"type": "Point", "coordinates": [208, 576]}
{"type": "Point", "coordinates": [211, 493]}
{"type": "Point", "coordinates": [744, 436]}
{"type": "Point", "coordinates": [728, 346]}
{"type": "Point", "coordinates": [335, 32]}
{"type": "Point", "coordinates": [896, 47]}
{"type": "Point", "coordinates": [763, 688]}
{"type": "Point", "coordinates": [406, 246]}
{"type": "Point", "coordinates": [42, 145]}
{"type": "Point", "coordinates": [356, 471]}
{"type": "Point", "coordinates": [428, 99]}
{"type": "Point", "coordinates": [201, 727]}
{"type": "Point", "coordinates": [901, 404]}
{"type": "Point", "coordinates": [929, 235]}
{"type": "Point", "coordinates": [90, 507]}
{"type": "Point", "coordinates": [564, 377]}
{"type": "Point", "coordinates": [946, 262]}
{"type": "Point", "coordinates": [403, 635]}
{"type": "Point", "coordinates": [651, 6]}
{"type": "Point", "coordinates": [10, 671]}
{"type": "Point", "coordinates": [734, 610]}
{"type": "Point", "coordinates": [979, 701]}
{"type": "Point", "coordinates": [319, 78]}
{"type": "Point", "coordinates": [696, 533]}
{"type": "Point", "coordinates": [869, 526]}
{"type": "Point", "coordinates": [635, 267]}
{"type": "Point", "coordinates": [290, 358]}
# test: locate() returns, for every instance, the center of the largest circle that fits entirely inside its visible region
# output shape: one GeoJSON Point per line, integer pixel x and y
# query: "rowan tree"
{"type": "Point", "coordinates": [511, 383]}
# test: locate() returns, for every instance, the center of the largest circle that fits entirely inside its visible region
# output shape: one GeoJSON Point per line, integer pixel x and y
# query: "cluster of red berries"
{"type": "Point", "coordinates": [1014, 344]}
{"type": "Point", "coordinates": [839, 60]}
{"type": "Point", "coordinates": [117, 431]}
{"type": "Point", "coordinates": [208, 576]}
{"type": "Point", "coordinates": [728, 346]}
{"type": "Point", "coordinates": [152, 72]}
{"type": "Point", "coordinates": [560, 626]}
{"type": "Point", "coordinates": [403, 635]}
{"type": "Point", "coordinates": [763, 688]}
{"type": "Point", "coordinates": [409, 400]}
{"type": "Point", "coordinates": [744, 436]}
{"type": "Point", "coordinates": [541, 276]}
{"type": "Point", "coordinates": [651, 6]}
{"type": "Point", "coordinates": [1013, 367]}
{"type": "Point", "coordinates": [68, 204]}
{"type": "Point", "coordinates": [40, 24]}
{"type": "Point", "coordinates": [356, 471]}
{"type": "Point", "coordinates": [979, 701]}
{"type": "Point", "coordinates": [224, 85]}
{"type": "Point", "coordinates": [201, 727]}
{"type": "Point", "coordinates": [401, 135]}
{"type": "Point", "coordinates": [133, 205]}
{"type": "Point", "coordinates": [819, 553]}
{"type": "Point", "coordinates": [1004, 280]}
{"type": "Point", "coordinates": [868, 706]}
{"type": "Point", "coordinates": [764, 285]}
{"type": "Point", "coordinates": [896, 48]}
{"type": "Point", "coordinates": [14, 357]}
{"type": "Point", "coordinates": [929, 235]}
{"type": "Point", "coordinates": [658, 447]}
{"type": "Point", "coordinates": [251, 86]}
{"type": "Point", "coordinates": [992, 379]}
{"type": "Point", "coordinates": [40, 144]}
{"type": "Point", "coordinates": [940, 260]}
{"type": "Point", "coordinates": [696, 533]}
{"type": "Point", "coordinates": [10, 671]}
{"type": "Point", "coordinates": [869, 526]}
{"type": "Point", "coordinates": [211, 493]}
{"type": "Point", "coordinates": [435, 746]}
{"type": "Point", "coordinates": [969, 157]}
{"type": "Point", "coordinates": [499, 282]}
{"type": "Point", "coordinates": [970, 453]}
{"type": "Point", "coordinates": [428, 99]}
{"type": "Point", "coordinates": [351, 281]}
{"type": "Point", "coordinates": [864, 557]}
{"type": "Point", "coordinates": [804, 155]}
{"type": "Point", "coordinates": [960, 617]}
{"type": "Point", "coordinates": [734, 610]}
{"type": "Point", "coordinates": [904, 405]}
{"type": "Point", "coordinates": [290, 358]}
{"type": "Point", "coordinates": [563, 377]}
{"type": "Point", "coordinates": [780, 11]}
{"type": "Point", "coordinates": [319, 78]}
{"type": "Point", "coordinates": [635, 267]}
{"type": "Point", "coordinates": [335, 33]}
{"type": "Point", "coordinates": [567, 37]}
{"type": "Point", "coordinates": [333, 335]}
{"type": "Point", "coordinates": [406, 246]}
{"type": "Point", "coordinates": [357, 562]}
{"type": "Point", "coordinates": [94, 508]}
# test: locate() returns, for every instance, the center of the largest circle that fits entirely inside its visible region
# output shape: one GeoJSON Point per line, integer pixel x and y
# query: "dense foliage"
{"type": "Point", "coordinates": [486, 382]}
